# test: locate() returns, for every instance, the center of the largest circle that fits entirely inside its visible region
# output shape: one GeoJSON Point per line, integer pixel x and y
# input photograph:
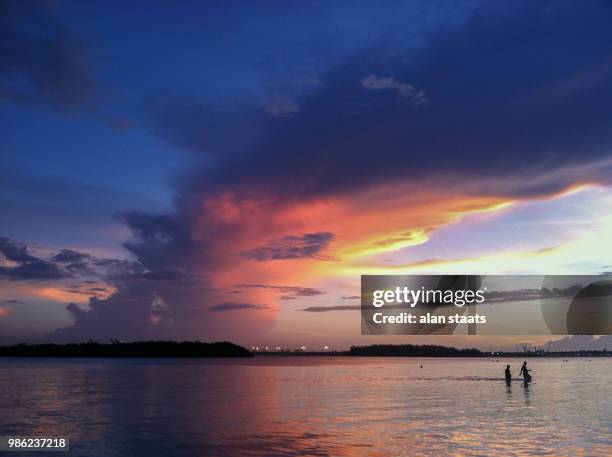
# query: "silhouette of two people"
{"type": "Point", "coordinates": [524, 373]}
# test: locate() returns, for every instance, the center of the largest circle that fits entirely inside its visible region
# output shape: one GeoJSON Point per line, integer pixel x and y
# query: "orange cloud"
{"type": "Point", "coordinates": [364, 225]}
{"type": "Point", "coordinates": [76, 294]}
{"type": "Point", "coordinates": [386, 219]}
{"type": "Point", "coordinates": [60, 295]}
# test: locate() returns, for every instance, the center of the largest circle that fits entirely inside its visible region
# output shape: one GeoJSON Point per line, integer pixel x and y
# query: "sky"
{"type": "Point", "coordinates": [228, 170]}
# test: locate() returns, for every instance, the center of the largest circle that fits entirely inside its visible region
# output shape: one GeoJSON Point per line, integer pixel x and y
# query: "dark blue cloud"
{"type": "Point", "coordinates": [19, 264]}
{"type": "Point", "coordinates": [288, 292]}
{"type": "Point", "coordinates": [70, 256]}
{"type": "Point", "coordinates": [23, 266]}
{"type": "Point", "coordinates": [161, 241]}
{"type": "Point", "coordinates": [35, 270]}
{"type": "Point", "coordinates": [520, 87]}
{"type": "Point", "coordinates": [14, 251]}
{"type": "Point", "coordinates": [325, 309]}
{"type": "Point", "coordinates": [230, 306]}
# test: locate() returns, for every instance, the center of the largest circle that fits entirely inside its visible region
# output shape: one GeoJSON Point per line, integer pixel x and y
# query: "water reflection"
{"type": "Point", "coordinates": [526, 392]}
{"type": "Point", "coordinates": [308, 407]}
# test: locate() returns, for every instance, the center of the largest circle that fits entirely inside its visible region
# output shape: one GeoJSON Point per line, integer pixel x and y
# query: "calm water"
{"type": "Point", "coordinates": [310, 406]}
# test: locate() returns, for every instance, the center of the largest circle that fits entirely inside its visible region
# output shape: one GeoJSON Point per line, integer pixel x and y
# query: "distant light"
{"type": "Point", "coordinates": [278, 348]}
{"type": "Point", "coordinates": [326, 347]}
{"type": "Point", "coordinates": [266, 348]}
{"type": "Point", "coordinates": [303, 348]}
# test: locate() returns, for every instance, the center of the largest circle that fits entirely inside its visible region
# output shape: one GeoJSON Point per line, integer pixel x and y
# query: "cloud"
{"type": "Point", "coordinates": [282, 106]}
{"type": "Point", "coordinates": [14, 251]}
{"type": "Point", "coordinates": [42, 61]}
{"type": "Point", "coordinates": [403, 90]}
{"type": "Point", "coordinates": [158, 296]}
{"type": "Point", "coordinates": [332, 176]}
{"type": "Point", "coordinates": [19, 264]}
{"type": "Point", "coordinates": [324, 309]}
{"type": "Point", "coordinates": [3, 311]}
{"type": "Point", "coordinates": [489, 120]}
{"type": "Point", "coordinates": [80, 268]}
{"type": "Point", "coordinates": [162, 241]}
{"type": "Point", "coordinates": [308, 245]}
{"type": "Point", "coordinates": [143, 306]}
{"type": "Point", "coordinates": [70, 256]}
{"type": "Point", "coordinates": [230, 306]}
{"type": "Point", "coordinates": [288, 292]}
{"type": "Point", "coordinates": [37, 270]}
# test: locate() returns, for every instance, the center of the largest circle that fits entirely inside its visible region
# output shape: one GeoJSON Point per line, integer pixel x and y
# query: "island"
{"type": "Point", "coordinates": [411, 350]}
{"type": "Point", "coordinates": [145, 349]}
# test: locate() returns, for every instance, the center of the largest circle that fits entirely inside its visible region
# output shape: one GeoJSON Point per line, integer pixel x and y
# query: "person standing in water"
{"type": "Point", "coordinates": [508, 374]}
{"type": "Point", "coordinates": [525, 372]}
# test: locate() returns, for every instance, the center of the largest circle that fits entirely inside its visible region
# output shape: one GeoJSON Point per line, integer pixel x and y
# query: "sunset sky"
{"type": "Point", "coordinates": [228, 171]}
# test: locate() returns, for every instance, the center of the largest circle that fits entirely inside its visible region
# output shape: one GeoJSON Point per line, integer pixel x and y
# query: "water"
{"type": "Point", "coordinates": [279, 406]}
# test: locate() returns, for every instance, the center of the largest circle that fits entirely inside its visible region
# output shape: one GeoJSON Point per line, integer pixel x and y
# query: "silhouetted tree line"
{"type": "Point", "coordinates": [410, 350]}
{"type": "Point", "coordinates": [135, 349]}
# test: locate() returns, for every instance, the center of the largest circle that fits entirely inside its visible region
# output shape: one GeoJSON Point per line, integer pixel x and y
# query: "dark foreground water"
{"type": "Point", "coordinates": [278, 406]}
